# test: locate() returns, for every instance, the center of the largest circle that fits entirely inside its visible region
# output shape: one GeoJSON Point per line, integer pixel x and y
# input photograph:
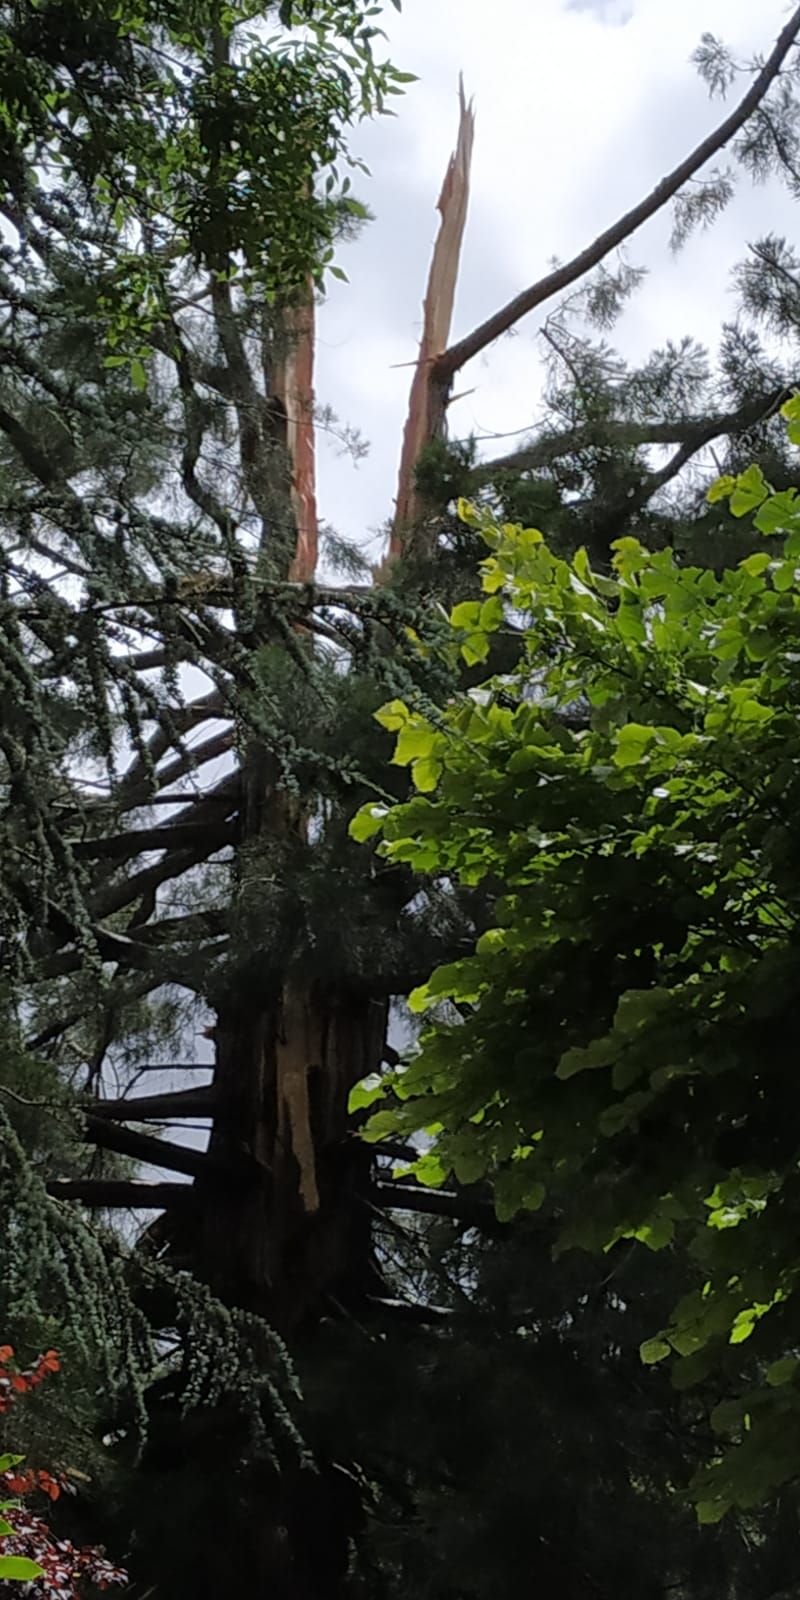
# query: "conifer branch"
{"type": "Point", "coordinates": [694, 432]}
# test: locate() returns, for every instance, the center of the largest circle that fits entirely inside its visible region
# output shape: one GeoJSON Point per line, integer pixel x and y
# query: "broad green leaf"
{"type": "Point", "coordinates": [393, 716]}
{"type": "Point", "coordinates": [466, 615]}
{"type": "Point", "coordinates": [429, 1171]}
{"type": "Point", "coordinates": [469, 1167]}
{"type": "Point", "coordinates": [721, 489]}
{"type": "Point", "coordinates": [8, 1461]}
{"type": "Point", "coordinates": [751, 489]}
{"type": "Point", "coordinates": [475, 649]}
{"type": "Point", "coordinates": [600, 1053]}
{"type": "Point", "coordinates": [637, 1007]}
{"type": "Point", "coordinates": [19, 1569]}
{"type": "Point", "coordinates": [380, 1124]}
{"type": "Point", "coordinates": [653, 1351]}
{"type": "Point", "coordinates": [633, 743]}
{"type": "Point", "coordinates": [365, 1093]}
{"type": "Point", "coordinates": [426, 773]}
{"type": "Point", "coordinates": [366, 822]}
{"type": "Point", "coordinates": [711, 1511]}
{"type": "Point", "coordinates": [778, 513]}
{"type": "Point", "coordinates": [783, 1371]}
{"type": "Point", "coordinates": [414, 742]}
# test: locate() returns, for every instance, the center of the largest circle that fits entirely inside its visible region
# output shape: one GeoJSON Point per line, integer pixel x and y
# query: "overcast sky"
{"type": "Point", "coordinates": [582, 105]}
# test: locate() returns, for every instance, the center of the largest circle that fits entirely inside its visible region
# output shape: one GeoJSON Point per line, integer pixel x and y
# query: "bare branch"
{"type": "Point", "coordinates": [435, 1203]}
{"type": "Point", "coordinates": [124, 1193]}
{"type": "Point", "coordinates": [133, 792]}
{"type": "Point", "coordinates": [444, 368]}
{"type": "Point", "coordinates": [158, 1107]}
{"type": "Point", "coordinates": [156, 1152]}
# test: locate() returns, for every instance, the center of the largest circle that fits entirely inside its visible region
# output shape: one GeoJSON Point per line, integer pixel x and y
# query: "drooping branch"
{"type": "Point", "coordinates": [447, 365]}
{"type": "Point", "coordinates": [70, 1019]}
{"type": "Point", "coordinates": [129, 955]}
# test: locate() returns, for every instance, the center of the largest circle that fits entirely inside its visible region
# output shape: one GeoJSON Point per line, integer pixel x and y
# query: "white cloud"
{"type": "Point", "coordinates": [615, 12]}
{"type": "Point", "coordinates": [576, 119]}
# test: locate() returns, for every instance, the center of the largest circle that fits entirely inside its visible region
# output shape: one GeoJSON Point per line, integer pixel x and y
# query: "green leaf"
{"type": "Point", "coordinates": [778, 513]}
{"type": "Point", "coordinates": [7, 1462]}
{"type": "Point", "coordinates": [429, 1171]}
{"type": "Point", "coordinates": [636, 1007]}
{"type": "Point", "coordinates": [365, 1093]}
{"type": "Point", "coordinates": [653, 1351]}
{"type": "Point", "coordinates": [5, 1528]}
{"type": "Point", "coordinates": [466, 615]}
{"type": "Point", "coordinates": [138, 374]}
{"type": "Point", "coordinates": [711, 1511]}
{"type": "Point", "coordinates": [475, 649]}
{"type": "Point", "coordinates": [600, 1053]}
{"type": "Point", "coordinates": [782, 1371]}
{"type": "Point", "coordinates": [380, 1124]}
{"type": "Point", "coordinates": [366, 822]}
{"type": "Point", "coordinates": [415, 741]}
{"type": "Point", "coordinates": [721, 489]}
{"type": "Point", "coordinates": [751, 489]}
{"type": "Point", "coordinates": [19, 1568]}
{"type": "Point", "coordinates": [755, 564]}
{"type": "Point", "coordinates": [633, 742]}
{"type": "Point", "coordinates": [393, 716]}
{"type": "Point", "coordinates": [426, 773]}
{"type": "Point", "coordinates": [469, 1167]}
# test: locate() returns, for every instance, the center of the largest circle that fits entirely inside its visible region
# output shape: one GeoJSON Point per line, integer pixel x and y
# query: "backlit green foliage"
{"type": "Point", "coordinates": [624, 1038]}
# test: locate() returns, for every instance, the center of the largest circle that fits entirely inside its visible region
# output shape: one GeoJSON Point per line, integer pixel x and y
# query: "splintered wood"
{"type": "Point", "coordinates": [422, 420]}
{"type": "Point", "coordinates": [298, 1049]}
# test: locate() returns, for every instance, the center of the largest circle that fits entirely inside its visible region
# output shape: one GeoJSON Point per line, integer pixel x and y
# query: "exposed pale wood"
{"type": "Point", "coordinates": [299, 1046]}
{"type": "Point", "coordinates": [424, 415]}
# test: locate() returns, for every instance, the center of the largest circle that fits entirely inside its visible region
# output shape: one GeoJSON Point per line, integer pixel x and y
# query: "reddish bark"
{"type": "Point", "coordinates": [293, 385]}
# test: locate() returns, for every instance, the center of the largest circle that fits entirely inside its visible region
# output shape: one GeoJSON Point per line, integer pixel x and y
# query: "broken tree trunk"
{"type": "Point", "coordinates": [298, 1239]}
{"type": "Point", "coordinates": [296, 1236]}
{"type": "Point", "coordinates": [427, 401]}
{"type": "Point", "coordinates": [293, 386]}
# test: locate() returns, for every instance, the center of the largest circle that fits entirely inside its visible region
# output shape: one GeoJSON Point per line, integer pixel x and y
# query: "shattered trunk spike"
{"type": "Point", "coordinates": [425, 418]}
